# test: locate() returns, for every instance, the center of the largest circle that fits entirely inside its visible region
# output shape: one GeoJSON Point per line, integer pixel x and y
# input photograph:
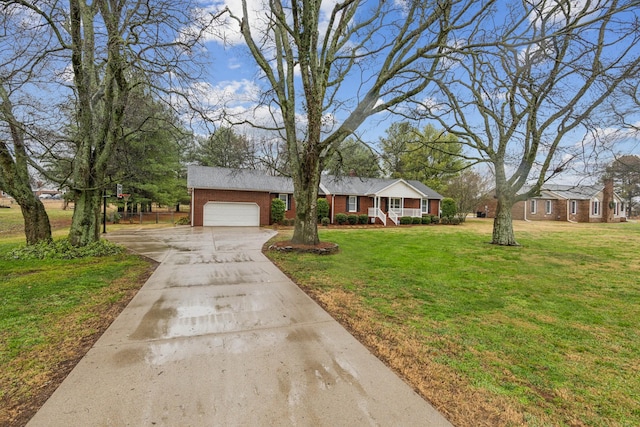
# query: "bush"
{"type": "Point", "coordinates": [445, 220]}
{"type": "Point", "coordinates": [426, 219]}
{"type": "Point", "coordinates": [455, 220]}
{"type": "Point", "coordinates": [449, 208]}
{"type": "Point", "coordinates": [183, 221]}
{"type": "Point", "coordinates": [341, 218]}
{"type": "Point", "coordinates": [322, 208]}
{"type": "Point", "coordinates": [63, 249]}
{"type": "Point", "coordinates": [416, 220]}
{"type": "Point", "coordinates": [352, 219]}
{"type": "Point", "coordinates": [405, 220]}
{"type": "Point", "coordinates": [363, 219]}
{"type": "Point", "coordinates": [325, 221]}
{"type": "Point", "coordinates": [435, 219]}
{"type": "Point", "coordinates": [277, 210]}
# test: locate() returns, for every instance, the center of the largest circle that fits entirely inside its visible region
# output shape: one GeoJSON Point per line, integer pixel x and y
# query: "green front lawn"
{"type": "Point", "coordinates": [543, 334]}
{"type": "Point", "coordinates": [51, 311]}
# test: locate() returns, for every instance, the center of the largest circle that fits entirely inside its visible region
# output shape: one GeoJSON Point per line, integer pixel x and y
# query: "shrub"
{"type": "Point", "coordinates": [183, 221]}
{"type": "Point", "coordinates": [405, 220]}
{"type": "Point", "coordinates": [449, 208]}
{"type": "Point", "coordinates": [277, 210]}
{"type": "Point", "coordinates": [63, 249]}
{"type": "Point", "coordinates": [363, 218]}
{"type": "Point", "coordinates": [435, 219]}
{"type": "Point", "coordinates": [341, 218]}
{"type": "Point", "coordinates": [426, 219]}
{"type": "Point", "coordinates": [445, 220]}
{"type": "Point", "coordinates": [322, 208]}
{"type": "Point", "coordinates": [352, 219]}
{"type": "Point", "coordinates": [325, 221]}
{"type": "Point", "coordinates": [455, 220]}
{"type": "Point", "coordinates": [416, 220]}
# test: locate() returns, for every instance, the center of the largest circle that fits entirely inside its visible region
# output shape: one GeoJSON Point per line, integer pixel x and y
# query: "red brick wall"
{"type": "Point", "coordinates": [290, 214]}
{"type": "Point", "coordinates": [201, 197]}
{"type": "Point", "coordinates": [412, 203]}
{"type": "Point", "coordinates": [340, 204]}
{"type": "Point", "coordinates": [434, 207]}
{"type": "Point", "coordinates": [558, 210]}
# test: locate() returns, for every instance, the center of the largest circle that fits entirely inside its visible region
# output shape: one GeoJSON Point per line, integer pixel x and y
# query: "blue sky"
{"type": "Point", "coordinates": [235, 83]}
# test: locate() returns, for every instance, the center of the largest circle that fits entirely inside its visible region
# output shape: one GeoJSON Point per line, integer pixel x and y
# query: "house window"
{"type": "Point", "coordinates": [395, 204]}
{"type": "Point", "coordinates": [574, 207]}
{"type": "Point", "coordinates": [425, 206]}
{"type": "Point", "coordinates": [352, 203]}
{"type": "Point", "coordinates": [615, 208]}
{"type": "Point", "coordinates": [285, 199]}
{"type": "Point", "coordinates": [595, 207]}
{"type": "Point", "coordinates": [547, 206]}
{"type": "Point", "coordinates": [534, 206]}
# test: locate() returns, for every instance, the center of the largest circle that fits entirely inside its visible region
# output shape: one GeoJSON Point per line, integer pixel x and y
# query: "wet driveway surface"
{"type": "Point", "coordinates": [218, 336]}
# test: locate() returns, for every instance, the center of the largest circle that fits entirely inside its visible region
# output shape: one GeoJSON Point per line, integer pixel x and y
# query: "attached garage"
{"type": "Point", "coordinates": [231, 214]}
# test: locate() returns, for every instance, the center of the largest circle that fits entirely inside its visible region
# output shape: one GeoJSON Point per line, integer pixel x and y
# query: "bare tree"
{"type": "Point", "coordinates": [524, 95]}
{"type": "Point", "coordinates": [16, 73]}
{"type": "Point", "coordinates": [359, 59]}
{"type": "Point", "coordinates": [102, 50]}
{"type": "Point", "coordinates": [625, 172]}
{"type": "Point", "coordinates": [468, 189]}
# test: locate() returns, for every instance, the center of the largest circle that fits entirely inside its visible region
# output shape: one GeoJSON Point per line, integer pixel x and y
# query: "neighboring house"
{"type": "Point", "coordinates": [233, 197]}
{"type": "Point", "coordinates": [593, 203]}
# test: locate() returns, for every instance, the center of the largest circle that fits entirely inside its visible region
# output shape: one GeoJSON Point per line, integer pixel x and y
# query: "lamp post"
{"type": "Point", "coordinates": [104, 211]}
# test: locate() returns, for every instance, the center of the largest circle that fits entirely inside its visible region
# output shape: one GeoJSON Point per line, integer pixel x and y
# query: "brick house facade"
{"type": "Point", "coordinates": [567, 203]}
{"type": "Point", "coordinates": [380, 199]}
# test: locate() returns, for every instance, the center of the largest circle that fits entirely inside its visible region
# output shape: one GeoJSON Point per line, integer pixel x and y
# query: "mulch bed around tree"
{"type": "Point", "coordinates": [322, 248]}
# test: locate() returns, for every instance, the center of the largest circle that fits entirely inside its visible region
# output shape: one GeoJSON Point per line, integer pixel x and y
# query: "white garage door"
{"type": "Point", "coordinates": [231, 214]}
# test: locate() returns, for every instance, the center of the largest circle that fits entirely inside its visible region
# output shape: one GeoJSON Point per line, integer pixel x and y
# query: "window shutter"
{"type": "Point", "coordinates": [357, 203]}
{"type": "Point", "coordinates": [289, 199]}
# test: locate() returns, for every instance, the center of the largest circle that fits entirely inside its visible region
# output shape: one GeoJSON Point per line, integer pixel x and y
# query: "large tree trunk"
{"type": "Point", "coordinates": [305, 194]}
{"type": "Point", "coordinates": [503, 224]}
{"type": "Point", "coordinates": [14, 177]}
{"type": "Point", "coordinates": [36, 221]}
{"type": "Point", "coordinates": [85, 225]}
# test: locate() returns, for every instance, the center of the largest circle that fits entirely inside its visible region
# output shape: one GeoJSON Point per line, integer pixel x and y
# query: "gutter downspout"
{"type": "Point", "coordinates": [569, 212]}
{"type": "Point", "coordinates": [333, 202]}
{"type": "Point", "coordinates": [526, 205]}
{"type": "Point", "coordinates": [192, 205]}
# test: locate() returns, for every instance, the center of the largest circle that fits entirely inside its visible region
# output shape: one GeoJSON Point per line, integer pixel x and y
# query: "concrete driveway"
{"type": "Point", "coordinates": [218, 336]}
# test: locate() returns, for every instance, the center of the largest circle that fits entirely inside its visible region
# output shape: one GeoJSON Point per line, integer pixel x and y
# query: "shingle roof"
{"type": "Point", "coordinates": [236, 179]}
{"type": "Point", "coordinates": [569, 192]}
{"type": "Point", "coordinates": [256, 180]}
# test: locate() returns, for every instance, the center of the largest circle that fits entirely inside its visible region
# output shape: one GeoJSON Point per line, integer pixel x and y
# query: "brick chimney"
{"type": "Point", "coordinates": [607, 201]}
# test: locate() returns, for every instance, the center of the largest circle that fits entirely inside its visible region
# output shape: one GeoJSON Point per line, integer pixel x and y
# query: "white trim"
{"type": "Point", "coordinates": [422, 207]}
{"type": "Point", "coordinates": [533, 206]}
{"type": "Point", "coordinates": [548, 207]}
{"type": "Point", "coordinates": [231, 214]}
{"type": "Point", "coordinates": [355, 204]}
{"type": "Point", "coordinates": [285, 200]}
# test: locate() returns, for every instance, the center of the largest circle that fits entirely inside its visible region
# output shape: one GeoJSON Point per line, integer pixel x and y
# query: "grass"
{"type": "Point", "coordinates": [51, 311]}
{"type": "Point", "coordinates": [543, 334]}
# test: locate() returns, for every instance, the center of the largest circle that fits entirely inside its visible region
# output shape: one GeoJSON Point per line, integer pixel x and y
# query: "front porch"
{"type": "Point", "coordinates": [394, 214]}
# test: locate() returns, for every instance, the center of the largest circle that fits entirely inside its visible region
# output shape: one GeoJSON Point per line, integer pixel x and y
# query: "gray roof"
{"type": "Point", "coordinates": [569, 192]}
{"type": "Point", "coordinates": [257, 180]}
{"type": "Point", "coordinates": [236, 179]}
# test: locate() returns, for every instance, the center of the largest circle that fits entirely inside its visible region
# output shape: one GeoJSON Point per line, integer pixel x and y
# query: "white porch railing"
{"type": "Point", "coordinates": [393, 217]}
{"type": "Point", "coordinates": [377, 213]}
{"type": "Point", "coordinates": [407, 212]}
